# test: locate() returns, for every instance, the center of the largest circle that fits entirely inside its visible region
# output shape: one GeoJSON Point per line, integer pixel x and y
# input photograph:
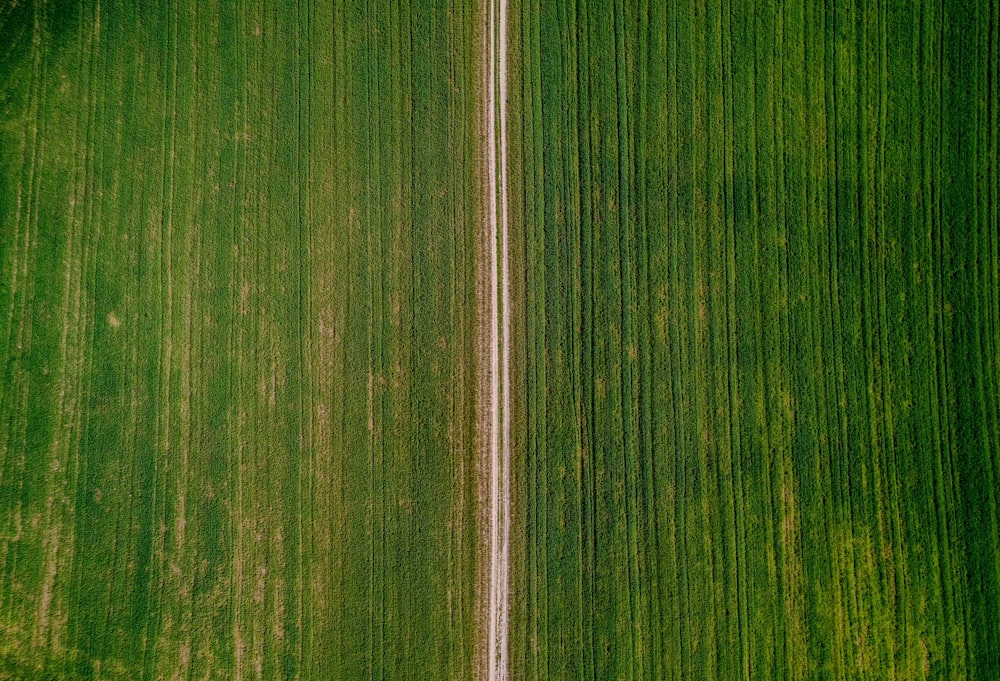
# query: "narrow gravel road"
{"type": "Point", "coordinates": [499, 402]}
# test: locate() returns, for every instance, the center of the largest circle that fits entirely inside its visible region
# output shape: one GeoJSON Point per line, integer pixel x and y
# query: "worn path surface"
{"type": "Point", "coordinates": [499, 390]}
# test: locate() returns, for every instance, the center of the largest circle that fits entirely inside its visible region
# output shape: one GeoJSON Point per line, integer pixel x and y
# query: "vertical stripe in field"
{"type": "Point", "coordinates": [499, 323]}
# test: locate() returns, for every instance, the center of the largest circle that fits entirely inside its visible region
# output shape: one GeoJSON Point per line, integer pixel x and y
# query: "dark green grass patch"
{"type": "Point", "coordinates": [760, 293]}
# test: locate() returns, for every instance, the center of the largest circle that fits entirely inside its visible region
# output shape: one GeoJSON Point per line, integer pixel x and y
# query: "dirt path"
{"type": "Point", "coordinates": [499, 310]}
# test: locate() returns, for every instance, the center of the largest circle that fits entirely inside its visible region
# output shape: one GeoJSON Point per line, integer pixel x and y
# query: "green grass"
{"type": "Point", "coordinates": [237, 392]}
{"type": "Point", "coordinates": [755, 249]}
{"type": "Point", "coordinates": [759, 422]}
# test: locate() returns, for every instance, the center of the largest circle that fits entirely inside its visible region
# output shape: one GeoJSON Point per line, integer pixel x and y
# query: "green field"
{"type": "Point", "coordinates": [758, 386]}
{"type": "Point", "coordinates": [237, 391]}
{"type": "Point", "coordinates": [756, 309]}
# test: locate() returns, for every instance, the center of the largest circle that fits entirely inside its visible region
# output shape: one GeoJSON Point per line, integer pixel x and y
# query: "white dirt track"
{"type": "Point", "coordinates": [499, 308]}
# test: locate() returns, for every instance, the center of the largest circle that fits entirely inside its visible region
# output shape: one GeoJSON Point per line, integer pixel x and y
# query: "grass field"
{"type": "Point", "coordinates": [238, 391]}
{"type": "Point", "coordinates": [758, 386]}
{"type": "Point", "coordinates": [755, 258]}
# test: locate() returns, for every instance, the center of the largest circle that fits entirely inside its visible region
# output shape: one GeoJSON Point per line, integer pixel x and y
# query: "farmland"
{"type": "Point", "coordinates": [238, 389]}
{"type": "Point", "coordinates": [256, 367]}
{"type": "Point", "coordinates": [756, 397]}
